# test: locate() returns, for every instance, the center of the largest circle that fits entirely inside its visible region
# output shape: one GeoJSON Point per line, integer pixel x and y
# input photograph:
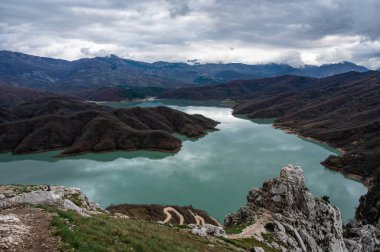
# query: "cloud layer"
{"type": "Point", "coordinates": [251, 31]}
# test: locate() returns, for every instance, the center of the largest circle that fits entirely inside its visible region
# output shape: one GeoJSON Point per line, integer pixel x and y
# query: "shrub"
{"type": "Point", "coordinates": [326, 198]}
{"type": "Point", "coordinates": [270, 226]}
{"type": "Point", "coordinates": [349, 233]}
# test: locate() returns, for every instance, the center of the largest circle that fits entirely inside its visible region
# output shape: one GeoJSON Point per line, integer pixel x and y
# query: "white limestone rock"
{"type": "Point", "coordinates": [199, 230]}
{"type": "Point", "coordinates": [302, 222]}
{"type": "Point", "coordinates": [207, 229]}
{"type": "Point", "coordinates": [362, 238]}
{"type": "Point", "coordinates": [57, 196]}
{"type": "Point", "coordinates": [258, 249]}
{"type": "Point", "coordinates": [68, 204]}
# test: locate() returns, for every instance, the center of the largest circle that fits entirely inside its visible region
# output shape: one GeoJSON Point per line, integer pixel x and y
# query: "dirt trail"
{"type": "Point", "coordinates": [198, 219]}
{"type": "Point", "coordinates": [167, 211]}
{"type": "Point", "coordinates": [252, 230]}
{"type": "Point", "coordinates": [26, 229]}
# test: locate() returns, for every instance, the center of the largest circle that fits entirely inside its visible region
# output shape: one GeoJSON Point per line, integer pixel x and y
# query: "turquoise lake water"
{"type": "Point", "coordinates": [213, 173]}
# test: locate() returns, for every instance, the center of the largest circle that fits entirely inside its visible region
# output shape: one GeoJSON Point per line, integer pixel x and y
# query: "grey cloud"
{"type": "Point", "coordinates": [178, 8]}
{"type": "Point", "coordinates": [175, 29]}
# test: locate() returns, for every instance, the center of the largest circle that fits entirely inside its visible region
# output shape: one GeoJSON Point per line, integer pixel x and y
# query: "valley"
{"type": "Point", "coordinates": [169, 142]}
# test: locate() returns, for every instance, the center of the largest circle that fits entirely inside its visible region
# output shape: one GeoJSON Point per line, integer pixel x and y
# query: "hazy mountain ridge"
{"type": "Point", "coordinates": [20, 69]}
{"type": "Point", "coordinates": [242, 89]}
{"type": "Point", "coordinates": [259, 88]}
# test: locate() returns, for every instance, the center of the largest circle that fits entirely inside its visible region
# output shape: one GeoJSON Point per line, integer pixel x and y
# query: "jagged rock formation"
{"type": "Point", "coordinates": [361, 237]}
{"type": "Point", "coordinates": [299, 221]}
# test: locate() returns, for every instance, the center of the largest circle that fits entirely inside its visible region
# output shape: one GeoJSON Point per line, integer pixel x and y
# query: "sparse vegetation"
{"type": "Point", "coordinates": [349, 233]}
{"type": "Point", "coordinates": [269, 238]}
{"type": "Point", "coordinates": [74, 198]}
{"type": "Point", "coordinates": [234, 230]}
{"type": "Point", "coordinates": [18, 189]}
{"type": "Point", "coordinates": [107, 233]}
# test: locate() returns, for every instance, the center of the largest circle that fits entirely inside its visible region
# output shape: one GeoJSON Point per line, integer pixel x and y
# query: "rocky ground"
{"type": "Point", "coordinates": [26, 223]}
{"type": "Point", "coordinates": [62, 197]}
{"type": "Point", "coordinates": [26, 229]}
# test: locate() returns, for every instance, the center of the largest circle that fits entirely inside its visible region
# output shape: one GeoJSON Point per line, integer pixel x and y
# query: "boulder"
{"type": "Point", "coordinates": [207, 229]}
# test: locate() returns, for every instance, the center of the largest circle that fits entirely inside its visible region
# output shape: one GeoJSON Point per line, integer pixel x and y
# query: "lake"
{"type": "Point", "coordinates": [213, 173]}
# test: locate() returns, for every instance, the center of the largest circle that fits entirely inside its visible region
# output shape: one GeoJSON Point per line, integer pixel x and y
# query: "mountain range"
{"type": "Point", "coordinates": [58, 75]}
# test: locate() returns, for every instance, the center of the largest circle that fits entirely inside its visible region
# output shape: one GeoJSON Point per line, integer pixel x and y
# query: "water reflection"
{"type": "Point", "coordinates": [213, 173]}
{"type": "Point", "coordinates": [51, 156]}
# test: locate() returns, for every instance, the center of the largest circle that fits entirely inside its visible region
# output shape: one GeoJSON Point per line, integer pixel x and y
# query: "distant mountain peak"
{"type": "Point", "coordinates": [114, 56]}
{"type": "Point", "coordinates": [342, 63]}
{"type": "Point", "coordinates": [54, 74]}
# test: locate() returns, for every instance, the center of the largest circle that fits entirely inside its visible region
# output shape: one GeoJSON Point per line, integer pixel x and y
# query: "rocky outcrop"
{"type": "Point", "coordinates": [286, 210]}
{"type": "Point", "coordinates": [58, 196]}
{"type": "Point", "coordinates": [361, 237]}
{"type": "Point", "coordinates": [207, 229]}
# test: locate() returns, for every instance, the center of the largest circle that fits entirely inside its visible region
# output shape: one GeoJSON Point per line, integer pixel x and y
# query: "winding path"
{"type": "Point", "coordinates": [252, 230]}
{"type": "Point", "coordinates": [198, 219]}
{"type": "Point", "coordinates": [169, 216]}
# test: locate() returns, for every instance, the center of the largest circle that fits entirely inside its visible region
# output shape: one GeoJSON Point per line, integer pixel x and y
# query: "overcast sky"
{"type": "Point", "coordinates": [296, 32]}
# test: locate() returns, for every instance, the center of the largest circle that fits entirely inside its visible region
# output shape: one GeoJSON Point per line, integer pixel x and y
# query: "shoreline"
{"type": "Point", "coordinates": [62, 155]}
{"type": "Point", "coordinates": [126, 100]}
{"type": "Point", "coordinates": [356, 177]}
{"type": "Point", "coordinates": [115, 150]}
{"type": "Point", "coordinates": [292, 131]}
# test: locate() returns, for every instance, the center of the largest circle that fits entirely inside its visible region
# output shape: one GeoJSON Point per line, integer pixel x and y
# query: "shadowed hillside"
{"type": "Point", "coordinates": [53, 122]}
